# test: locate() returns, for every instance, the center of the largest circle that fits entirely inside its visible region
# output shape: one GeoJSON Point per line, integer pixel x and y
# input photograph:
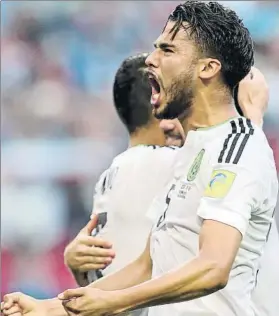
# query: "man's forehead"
{"type": "Point", "coordinates": [167, 36]}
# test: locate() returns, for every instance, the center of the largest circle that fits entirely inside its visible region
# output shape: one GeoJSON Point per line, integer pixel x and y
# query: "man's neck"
{"type": "Point", "coordinates": [146, 136]}
{"type": "Point", "coordinates": [209, 109]}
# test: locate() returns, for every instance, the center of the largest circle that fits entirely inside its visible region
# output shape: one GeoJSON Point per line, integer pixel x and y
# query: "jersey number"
{"type": "Point", "coordinates": [108, 179]}
{"type": "Point", "coordinates": [168, 199]}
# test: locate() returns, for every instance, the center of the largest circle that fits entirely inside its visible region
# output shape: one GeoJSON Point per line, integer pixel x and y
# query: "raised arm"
{"type": "Point", "coordinates": [253, 96]}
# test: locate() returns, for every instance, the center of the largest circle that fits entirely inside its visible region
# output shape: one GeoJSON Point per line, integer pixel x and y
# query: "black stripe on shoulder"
{"type": "Point", "coordinates": [235, 139]}
{"type": "Point", "coordinates": [226, 142]}
{"type": "Point", "coordinates": [244, 141]}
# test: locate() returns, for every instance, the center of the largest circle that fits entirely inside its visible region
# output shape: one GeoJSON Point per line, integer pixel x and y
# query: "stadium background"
{"type": "Point", "coordinates": [59, 129]}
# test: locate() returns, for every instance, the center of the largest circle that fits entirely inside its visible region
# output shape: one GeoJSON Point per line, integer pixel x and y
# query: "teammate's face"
{"type": "Point", "coordinates": [172, 67]}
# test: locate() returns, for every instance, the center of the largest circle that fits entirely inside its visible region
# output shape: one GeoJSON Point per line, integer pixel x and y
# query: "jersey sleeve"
{"type": "Point", "coordinates": [232, 194]}
{"type": "Point", "coordinates": [99, 207]}
{"type": "Point", "coordinates": [242, 189]}
{"type": "Point", "coordinates": [99, 194]}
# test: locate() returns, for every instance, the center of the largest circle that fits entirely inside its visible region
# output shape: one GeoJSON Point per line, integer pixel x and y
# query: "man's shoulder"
{"type": "Point", "coordinates": [153, 149]}
{"type": "Point", "coordinates": [240, 143]}
{"type": "Point", "coordinates": [140, 164]}
{"type": "Point", "coordinates": [145, 154]}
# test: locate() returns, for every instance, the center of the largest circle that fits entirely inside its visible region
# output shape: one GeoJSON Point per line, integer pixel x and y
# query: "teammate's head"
{"type": "Point", "coordinates": [202, 44]}
{"type": "Point", "coordinates": [132, 92]}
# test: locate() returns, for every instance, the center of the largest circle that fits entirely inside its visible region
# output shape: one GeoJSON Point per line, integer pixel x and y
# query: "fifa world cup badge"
{"type": "Point", "coordinates": [191, 176]}
{"type": "Point", "coordinates": [220, 183]}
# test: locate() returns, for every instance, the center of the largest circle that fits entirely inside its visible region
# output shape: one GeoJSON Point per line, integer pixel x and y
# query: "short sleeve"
{"type": "Point", "coordinates": [99, 194]}
{"type": "Point", "coordinates": [231, 195]}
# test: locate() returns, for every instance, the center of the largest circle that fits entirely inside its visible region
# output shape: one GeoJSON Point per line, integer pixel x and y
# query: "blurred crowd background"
{"type": "Point", "coordinates": [59, 130]}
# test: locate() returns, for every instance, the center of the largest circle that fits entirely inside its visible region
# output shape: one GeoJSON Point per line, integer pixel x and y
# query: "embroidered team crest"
{"type": "Point", "coordinates": [191, 176]}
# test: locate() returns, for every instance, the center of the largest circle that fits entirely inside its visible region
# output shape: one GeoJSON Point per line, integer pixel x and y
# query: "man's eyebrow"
{"type": "Point", "coordinates": [163, 45]}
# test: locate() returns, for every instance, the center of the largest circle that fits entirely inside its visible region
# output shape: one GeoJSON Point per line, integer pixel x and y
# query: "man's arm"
{"type": "Point", "coordinates": [22, 304]}
{"type": "Point", "coordinates": [253, 96]}
{"type": "Point", "coordinates": [53, 307]}
{"type": "Point", "coordinates": [205, 274]}
{"type": "Point", "coordinates": [225, 214]}
{"type": "Point", "coordinates": [134, 273]}
{"type": "Point", "coordinates": [71, 253]}
{"type": "Point", "coordinates": [87, 253]}
{"type": "Point", "coordinates": [103, 295]}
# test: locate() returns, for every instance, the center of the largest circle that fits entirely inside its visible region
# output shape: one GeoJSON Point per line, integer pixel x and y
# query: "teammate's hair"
{"type": "Point", "coordinates": [219, 33]}
{"type": "Point", "coordinates": [132, 93]}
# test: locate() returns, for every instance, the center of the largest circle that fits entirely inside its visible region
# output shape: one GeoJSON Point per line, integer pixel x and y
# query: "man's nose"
{"type": "Point", "coordinates": [152, 61]}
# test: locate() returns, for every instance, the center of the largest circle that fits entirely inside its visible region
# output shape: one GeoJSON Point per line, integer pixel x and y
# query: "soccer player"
{"type": "Point", "coordinates": [125, 191]}
{"type": "Point", "coordinates": [253, 99]}
{"type": "Point", "coordinates": [80, 256]}
{"type": "Point", "coordinates": [216, 217]}
{"type": "Point", "coordinates": [98, 314]}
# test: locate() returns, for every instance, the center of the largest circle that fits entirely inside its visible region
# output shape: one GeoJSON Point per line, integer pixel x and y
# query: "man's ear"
{"type": "Point", "coordinates": [208, 68]}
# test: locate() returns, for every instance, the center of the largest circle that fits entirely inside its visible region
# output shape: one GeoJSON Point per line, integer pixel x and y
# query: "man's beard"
{"type": "Point", "coordinates": [181, 102]}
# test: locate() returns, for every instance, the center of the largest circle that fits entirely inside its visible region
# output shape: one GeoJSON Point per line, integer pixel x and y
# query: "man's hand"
{"type": "Point", "coordinates": [173, 131]}
{"type": "Point", "coordinates": [253, 95]}
{"type": "Point", "coordinates": [86, 252]}
{"type": "Point", "coordinates": [88, 301]}
{"type": "Point", "coordinates": [18, 304]}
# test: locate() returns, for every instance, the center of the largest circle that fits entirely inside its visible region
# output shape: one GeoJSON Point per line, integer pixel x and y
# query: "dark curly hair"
{"type": "Point", "coordinates": [132, 93]}
{"type": "Point", "coordinates": [219, 33]}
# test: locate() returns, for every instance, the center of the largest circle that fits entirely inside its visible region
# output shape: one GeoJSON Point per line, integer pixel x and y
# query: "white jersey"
{"type": "Point", "coordinates": [265, 295]}
{"type": "Point", "coordinates": [123, 196]}
{"type": "Point", "coordinates": [226, 173]}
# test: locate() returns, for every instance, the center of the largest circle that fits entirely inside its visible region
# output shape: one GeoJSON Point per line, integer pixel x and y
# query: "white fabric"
{"type": "Point", "coordinates": [248, 206]}
{"type": "Point", "coordinates": [266, 292]}
{"type": "Point", "coordinates": [125, 192]}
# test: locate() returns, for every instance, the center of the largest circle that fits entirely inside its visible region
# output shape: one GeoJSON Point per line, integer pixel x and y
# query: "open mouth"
{"type": "Point", "coordinates": [156, 89]}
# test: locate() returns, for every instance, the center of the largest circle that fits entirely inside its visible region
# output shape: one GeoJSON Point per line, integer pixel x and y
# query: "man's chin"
{"type": "Point", "coordinates": [163, 114]}
{"type": "Point", "coordinates": [157, 114]}
{"type": "Point", "coordinates": [160, 116]}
